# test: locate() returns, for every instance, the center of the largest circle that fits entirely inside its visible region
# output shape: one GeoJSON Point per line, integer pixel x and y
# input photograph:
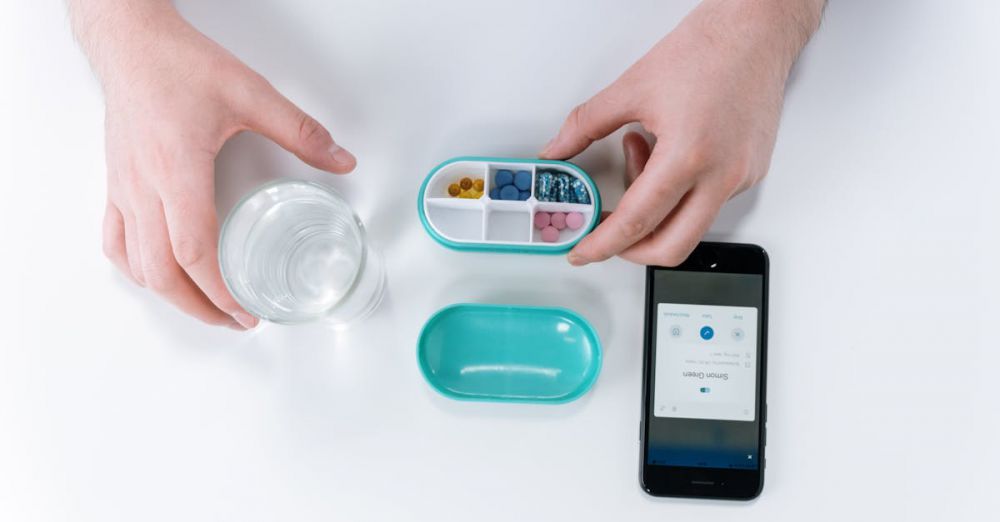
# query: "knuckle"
{"type": "Point", "coordinates": [578, 116]}
{"type": "Point", "coordinates": [135, 265]}
{"type": "Point", "coordinates": [585, 121]}
{"type": "Point", "coordinates": [696, 159]}
{"type": "Point", "coordinates": [188, 250]}
{"type": "Point", "coordinates": [159, 276]}
{"type": "Point", "coordinates": [113, 250]}
{"type": "Point", "coordinates": [737, 177]}
{"type": "Point", "coordinates": [131, 181]}
{"type": "Point", "coordinates": [670, 257]}
{"type": "Point", "coordinates": [733, 184]}
{"type": "Point", "coordinates": [665, 189]}
{"type": "Point", "coordinates": [310, 131]}
{"type": "Point", "coordinates": [676, 248]}
{"type": "Point", "coordinates": [246, 88]}
{"type": "Point", "coordinates": [633, 228]}
{"type": "Point", "coordinates": [186, 203]}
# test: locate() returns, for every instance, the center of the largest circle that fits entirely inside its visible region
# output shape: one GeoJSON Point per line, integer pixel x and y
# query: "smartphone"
{"type": "Point", "coordinates": [704, 374]}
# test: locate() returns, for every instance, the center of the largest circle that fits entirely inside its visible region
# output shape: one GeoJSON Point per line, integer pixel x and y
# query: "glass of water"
{"type": "Point", "coordinates": [294, 251]}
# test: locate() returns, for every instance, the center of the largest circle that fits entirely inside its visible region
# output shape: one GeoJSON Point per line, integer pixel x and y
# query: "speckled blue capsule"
{"type": "Point", "coordinates": [543, 186]}
{"type": "Point", "coordinates": [522, 180]}
{"type": "Point", "coordinates": [509, 193]}
{"type": "Point", "coordinates": [561, 188]}
{"type": "Point", "coordinates": [504, 177]}
{"type": "Point", "coordinates": [580, 193]}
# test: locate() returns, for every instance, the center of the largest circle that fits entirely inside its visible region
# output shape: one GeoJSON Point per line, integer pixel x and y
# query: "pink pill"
{"type": "Point", "coordinates": [550, 234]}
{"type": "Point", "coordinates": [542, 220]}
{"type": "Point", "coordinates": [558, 220]}
{"type": "Point", "coordinates": [574, 220]}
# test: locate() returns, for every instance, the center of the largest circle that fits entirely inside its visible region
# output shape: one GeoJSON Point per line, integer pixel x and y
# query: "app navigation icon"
{"type": "Point", "coordinates": [707, 332]}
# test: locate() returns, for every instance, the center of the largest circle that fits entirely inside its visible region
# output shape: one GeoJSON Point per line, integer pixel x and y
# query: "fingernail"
{"type": "Point", "coordinates": [246, 320]}
{"type": "Point", "coordinates": [575, 259]}
{"type": "Point", "coordinates": [340, 155]}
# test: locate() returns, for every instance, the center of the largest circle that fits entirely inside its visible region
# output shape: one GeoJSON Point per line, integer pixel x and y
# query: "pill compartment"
{"type": "Point", "coordinates": [437, 187]}
{"type": "Point", "coordinates": [516, 170]}
{"type": "Point", "coordinates": [567, 234]}
{"type": "Point", "coordinates": [504, 223]}
{"type": "Point", "coordinates": [457, 220]}
{"type": "Point", "coordinates": [508, 226]}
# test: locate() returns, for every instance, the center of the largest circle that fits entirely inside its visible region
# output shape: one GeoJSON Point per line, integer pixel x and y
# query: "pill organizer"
{"type": "Point", "coordinates": [464, 218]}
{"type": "Point", "coordinates": [505, 353]}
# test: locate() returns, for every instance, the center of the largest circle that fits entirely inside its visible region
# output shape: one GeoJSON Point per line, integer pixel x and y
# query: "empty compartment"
{"type": "Point", "coordinates": [508, 226]}
{"type": "Point", "coordinates": [512, 176]}
{"type": "Point", "coordinates": [452, 174]}
{"type": "Point", "coordinates": [456, 223]}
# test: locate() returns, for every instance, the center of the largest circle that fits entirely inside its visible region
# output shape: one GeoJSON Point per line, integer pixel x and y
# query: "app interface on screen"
{"type": "Point", "coordinates": [703, 406]}
{"type": "Point", "coordinates": [706, 362]}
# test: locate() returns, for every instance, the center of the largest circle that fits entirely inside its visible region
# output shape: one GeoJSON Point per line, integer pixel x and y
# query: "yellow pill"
{"type": "Point", "coordinates": [478, 185]}
{"type": "Point", "coordinates": [465, 183]}
{"type": "Point", "coordinates": [454, 190]}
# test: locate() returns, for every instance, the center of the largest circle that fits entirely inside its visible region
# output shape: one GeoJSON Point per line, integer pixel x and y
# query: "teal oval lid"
{"type": "Point", "coordinates": [486, 221]}
{"type": "Point", "coordinates": [502, 353]}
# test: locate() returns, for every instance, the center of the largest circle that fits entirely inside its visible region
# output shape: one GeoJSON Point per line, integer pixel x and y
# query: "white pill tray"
{"type": "Point", "coordinates": [497, 225]}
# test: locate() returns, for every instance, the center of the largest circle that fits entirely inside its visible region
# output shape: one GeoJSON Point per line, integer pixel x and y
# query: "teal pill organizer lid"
{"type": "Point", "coordinates": [503, 353]}
{"type": "Point", "coordinates": [494, 225]}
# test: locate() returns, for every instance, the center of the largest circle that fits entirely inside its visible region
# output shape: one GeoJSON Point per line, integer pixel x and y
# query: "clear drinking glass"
{"type": "Point", "coordinates": [294, 251]}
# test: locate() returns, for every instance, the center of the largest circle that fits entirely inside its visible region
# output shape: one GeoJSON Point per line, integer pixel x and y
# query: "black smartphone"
{"type": "Point", "coordinates": [704, 370]}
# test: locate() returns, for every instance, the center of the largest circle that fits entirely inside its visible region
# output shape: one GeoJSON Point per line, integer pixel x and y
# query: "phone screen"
{"type": "Point", "coordinates": [703, 410]}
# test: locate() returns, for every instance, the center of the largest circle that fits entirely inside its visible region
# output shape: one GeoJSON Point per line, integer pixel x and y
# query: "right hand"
{"type": "Point", "coordinates": [173, 99]}
{"type": "Point", "coordinates": [711, 93]}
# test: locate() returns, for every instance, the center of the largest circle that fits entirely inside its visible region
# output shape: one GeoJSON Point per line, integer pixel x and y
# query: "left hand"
{"type": "Point", "coordinates": [711, 93]}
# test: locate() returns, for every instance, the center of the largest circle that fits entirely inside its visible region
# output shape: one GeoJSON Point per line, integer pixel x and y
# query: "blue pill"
{"type": "Point", "coordinates": [504, 178]}
{"type": "Point", "coordinates": [509, 193]}
{"type": "Point", "coordinates": [495, 193]}
{"type": "Point", "coordinates": [579, 192]}
{"type": "Point", "coordinates": [524, 195]}
{"type": "Point", "coordinates": [543, 188]}
{"type": "Point", "coordinates": [522, 180]}
{"type": "Point", "coordinates": [561, 188]}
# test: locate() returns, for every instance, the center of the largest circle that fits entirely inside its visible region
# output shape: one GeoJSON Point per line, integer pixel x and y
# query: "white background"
{"type": "Point", "coordinates": [879, 213]}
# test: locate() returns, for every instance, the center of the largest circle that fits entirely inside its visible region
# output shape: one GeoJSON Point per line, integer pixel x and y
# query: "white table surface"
{"type": "Point", "coordinates": [879, 214]}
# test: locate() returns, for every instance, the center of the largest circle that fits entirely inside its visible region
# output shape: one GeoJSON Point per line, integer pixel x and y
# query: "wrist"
{"type": "Point", "coordinates": [777, 29]}
{"type": "Point", "coordinates": [116, 35]}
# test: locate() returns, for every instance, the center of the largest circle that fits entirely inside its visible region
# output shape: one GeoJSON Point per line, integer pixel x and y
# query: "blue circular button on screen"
{"type": "Point", "coordinates": [707, 332]}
